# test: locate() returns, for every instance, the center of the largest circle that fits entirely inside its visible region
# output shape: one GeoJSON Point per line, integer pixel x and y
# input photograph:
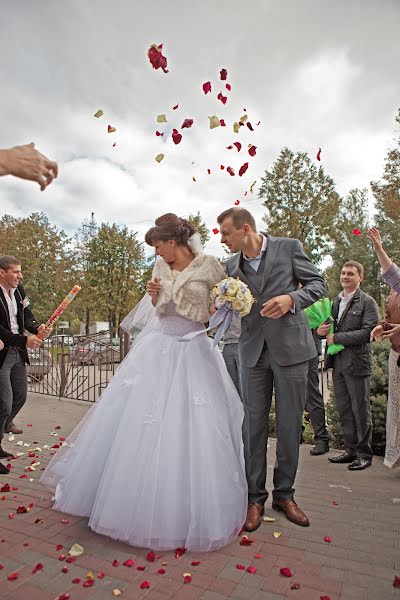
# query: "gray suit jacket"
{"type": "Point", "coordinates": [353, 331]}
{"type": "Point", "coordinates": [289, 338]}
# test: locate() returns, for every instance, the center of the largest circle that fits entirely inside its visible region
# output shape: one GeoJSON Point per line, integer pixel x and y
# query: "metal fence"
{"type": "Point", "coordinates": [76, 367]}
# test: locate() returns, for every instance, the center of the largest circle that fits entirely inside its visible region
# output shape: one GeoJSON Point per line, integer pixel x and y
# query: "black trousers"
{"type": "Point", "coordinates": [315, 402]}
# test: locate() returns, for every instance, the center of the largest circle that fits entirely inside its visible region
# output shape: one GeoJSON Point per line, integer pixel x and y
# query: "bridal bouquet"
{"type": "Point", "coordinates": [232, 295]}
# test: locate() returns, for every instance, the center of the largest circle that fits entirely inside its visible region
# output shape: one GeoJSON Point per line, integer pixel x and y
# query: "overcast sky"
{"type": "Point", "coordinates": [316, 73]}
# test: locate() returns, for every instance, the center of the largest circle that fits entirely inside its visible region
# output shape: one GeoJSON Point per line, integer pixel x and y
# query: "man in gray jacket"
{"type": "Point", "coordinates": [274, 349]}
{"type": "Point", "coordinates": [355, 315]}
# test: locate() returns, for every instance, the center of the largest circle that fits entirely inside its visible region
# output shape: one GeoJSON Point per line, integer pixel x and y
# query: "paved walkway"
{"type": "Point", "coordinates": [360, 512]}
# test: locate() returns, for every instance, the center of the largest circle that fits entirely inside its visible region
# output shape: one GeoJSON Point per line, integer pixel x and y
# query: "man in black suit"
{"type": "Point", "coordinates": [355, 315]}
{"type": "Point", "coordinates": [15, 318]}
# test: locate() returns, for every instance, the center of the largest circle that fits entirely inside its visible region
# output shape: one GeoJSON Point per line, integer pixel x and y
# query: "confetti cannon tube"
{"type": "Point", "coordinates": [63, 306]}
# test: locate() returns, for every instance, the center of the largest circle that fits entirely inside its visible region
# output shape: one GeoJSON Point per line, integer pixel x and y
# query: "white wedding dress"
{"type": "Point", "coordinates": [158, 461]}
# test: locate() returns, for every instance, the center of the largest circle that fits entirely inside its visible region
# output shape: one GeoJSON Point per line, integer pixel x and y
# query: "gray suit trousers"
{"type": "Point", "coordinates": [13, 388]}
{"type": "Point", "coordinates": [290, 397]}
{"type": "Point", "coordinates": [231, 358]}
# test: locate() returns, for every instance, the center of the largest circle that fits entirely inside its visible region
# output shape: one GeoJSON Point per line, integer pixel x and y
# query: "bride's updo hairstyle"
{"type": "Point", "coordinates": [170, 227]}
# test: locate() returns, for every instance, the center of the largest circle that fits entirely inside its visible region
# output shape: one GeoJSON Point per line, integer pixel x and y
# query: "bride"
{"type": "Point", "coordinates": [158, 461]}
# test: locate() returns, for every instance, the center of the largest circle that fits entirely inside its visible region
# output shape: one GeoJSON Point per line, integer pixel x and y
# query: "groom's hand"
{"type": "Point", "coordinates": [277, 307]}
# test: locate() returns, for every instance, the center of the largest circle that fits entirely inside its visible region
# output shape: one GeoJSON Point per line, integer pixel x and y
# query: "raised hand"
{"type": "Point", "coordinates": [28, 163]}
{"type": "Point", "coordinates": [375, 238]}
{"type": "Point", "coordinates": [153, 289]}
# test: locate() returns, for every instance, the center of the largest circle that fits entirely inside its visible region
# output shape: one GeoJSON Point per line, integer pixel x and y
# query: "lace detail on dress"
{"type": "Point", "coordinates": [172, 324]}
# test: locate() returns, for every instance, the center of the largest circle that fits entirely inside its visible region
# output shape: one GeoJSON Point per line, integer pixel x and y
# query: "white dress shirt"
{"type": "Point", "coordinates": [12, 308]}
{"type": "Point", "coordinates": [254, 262]}
{"type": "Point", "coordinates": [344, 300]}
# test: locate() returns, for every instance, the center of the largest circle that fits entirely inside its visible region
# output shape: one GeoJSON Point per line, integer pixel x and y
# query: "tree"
{"type": "Point", "coordinates": [114, 261]}
{"type": "Point", "coordinates": [82, 239]}
{"type": "Point", "coordinates": [300, 202]}
{"type": "Point", "coordinates": [46, 256]}
{"type": "Point", "coordinates": [201, 228]}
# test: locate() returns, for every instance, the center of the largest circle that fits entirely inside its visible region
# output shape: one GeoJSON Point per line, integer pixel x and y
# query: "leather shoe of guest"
{"type": "Point", "coordinates": [3, 470]}
{"type": "Point", "coordinates": [254, 513]}
{"type": "Point", "coordinates": [292, 511]}
{"type": "Point", "coordinates": [359, 464]}
{"type": "Point", "coordinates": [14, 429]}
{"type": "Point", "coordinates": [345, 457]}
{"type": "Point", "coordinates": [319, 448]}
{"type": "Point", "coordinates": [4, 454]}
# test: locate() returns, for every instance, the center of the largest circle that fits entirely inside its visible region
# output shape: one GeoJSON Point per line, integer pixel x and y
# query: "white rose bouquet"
{"type": "Point", "coordinates": [232, 295]}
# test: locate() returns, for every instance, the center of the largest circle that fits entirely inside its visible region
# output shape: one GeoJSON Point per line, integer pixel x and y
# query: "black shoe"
{"type": "Point", "coordinates": [3, 469]}
{"type": "Point", "coordinates": [320, 448]}
{"type": "Point", "coordinates": [359, 464]}
{"type": "Point", "coordinates": [4, 454]}
{"type": "Point", "coordinates": [345, 457]}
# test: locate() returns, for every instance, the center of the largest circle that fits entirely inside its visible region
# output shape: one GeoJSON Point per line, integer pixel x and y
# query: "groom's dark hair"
{"type": "Point", "coordinates": [239, 216]}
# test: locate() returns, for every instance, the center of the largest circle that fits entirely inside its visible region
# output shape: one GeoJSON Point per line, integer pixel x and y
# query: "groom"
{"type": "Point", "coordinates": [275, 347]}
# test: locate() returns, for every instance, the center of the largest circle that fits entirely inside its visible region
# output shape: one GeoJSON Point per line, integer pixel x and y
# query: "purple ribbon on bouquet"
{"type": "Point", "coordinates": [221, 319]}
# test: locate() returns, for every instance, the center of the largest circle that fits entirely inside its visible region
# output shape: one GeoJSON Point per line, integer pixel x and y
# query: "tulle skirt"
{"type": "Point", "coordinates": [158, 461]}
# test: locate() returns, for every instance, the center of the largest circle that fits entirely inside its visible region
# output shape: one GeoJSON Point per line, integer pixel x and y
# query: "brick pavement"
{"type": "Point", "coordinates": [360, 512]}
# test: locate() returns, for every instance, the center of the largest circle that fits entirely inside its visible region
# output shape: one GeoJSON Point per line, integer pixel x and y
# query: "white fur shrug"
{"type": "Point", "coordinates": [190, 289]}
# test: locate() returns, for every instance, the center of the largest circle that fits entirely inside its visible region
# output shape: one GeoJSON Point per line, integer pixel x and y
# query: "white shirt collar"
{"type": "Point", "coordinates": [263, 249]}
{"type": "Point", "coordinates": [346, 297]}
{"type": "Point", "coordinates": [6, 293]}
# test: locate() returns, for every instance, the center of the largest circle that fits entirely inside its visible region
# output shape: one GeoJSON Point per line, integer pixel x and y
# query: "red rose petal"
{"type": "Point", "coordinates": [11, 515]}
{"type": "Point", "coordinates": [238, 146]}
{"type": "Point", "coordinates": [71, 559]}
{"type": "Point", "coordinates": [335, 503]}
{"type": "Point", "coordinates": [286, 572]}
{"type": "Point", "coordinates": [237, 202]}
{"type": "Point", "coordinates": [140, 568]}
{"type": "Point", "coordinates": [59, 547]}
{"type": "Point", "coordinates": [110, 129]}
{"type": "Point", "coordinates": [259, 556]}
{"type": "Point", "coordinates": [26, 544]}
{"type": "Point", "coordinates": [250, 126]}
{"type": "Point", "coordinates": [88, 583]}
{"type": "Point", "coordinates": [215, 231]}
{"type": "Point", "coordinates": [222, 167]}
{"type": "Point", "coordinates": [222, 98]}
{"type": "Point", "coordinates": [1, 566]}
{"type": "Point", "coordinates": [101, 575]}
{"type": "Point", "coordinates": [64, 521]}
{"type": "Point", "coordinates": [151, 556]}
{"type": "Point", "coordinates": [243, 169]}
{"type": "Point", "coordinates": [258, 123]}
{"type": "Point", "coordinates": [396, 581]}
{"type": "Point", "coordinates": [230, 171]}
{"type": "Point", "coordinates": [115, 563]}
{"type": "Point", "coordinates": [145, 585]}
{"type": "Point", "coordinates": [251, 570]}
{"type": "Point", "coordinates": [228, 87]}
{"type": "Point", "coordinates": [62, 557]}
{"type": "Point", "coordinates": [187, 578]}
{"type": "Point", "coordinates": [63, 596]}
{"type": "Point", "coordinates": [222, 123]}
{"type": "Point", "coordinates": [180, 551]}
{"type": "Point", "coordinates": [319, 154]}
{"type": "Point", "coordinates": [327, 539]}
{"type": "Point", "coordinates": [37, 568]}
{"type": "Point", "coordinates": [64, 570]}
{"type": "Point", "coordinates": [57, 427]}
{"type": "Point", "coordinates": [207, 87]}
{"type": "Point", "coordinates": [187, 123]}
{"type": "Point", "coordinates": [160, 571]}
{"type": "Point", "coordinates": [176, 136]}
{"type": "Point", "coordinates": [159, 134]}
{"type": "Point", "coordinates": [229, 147]}
{"type": "Point", "coordinates": [158, 61]}
{"type": "Point", "coordinates": [195, 563]}
{"type": "Point", "coordinates": [209, 171]}
{"type": "Point", "coordinates": [128, 563]}
{"type": "Point", "coordinates": [357, 231]}
{"type": "Point", "coordinates": [76, 580]}
{"type": "Point", "coordinates": [12, 576]}
{"type": "Point", "coordinates": [175, 107]}
{"type": "Point", "coordinates": [240, 567]}
{"type": "Point", "coordinates": [5, 488]}
{"type": "Point", "coordinates": [324, 598]}
{"type": "Point", "coordinates": [223, 74]}
{"type": "Point", "coordinates": [246, 541]}
{"type": "Point", "coordinates": [252, 150]}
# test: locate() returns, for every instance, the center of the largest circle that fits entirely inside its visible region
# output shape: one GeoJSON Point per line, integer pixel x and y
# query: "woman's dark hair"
{"type": "Point", "coordinates": [170, 227]}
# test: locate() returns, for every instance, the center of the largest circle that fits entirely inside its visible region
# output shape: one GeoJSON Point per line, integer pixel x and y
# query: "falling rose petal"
{"type": "Point", "coordinates": [115, 563]}
{"type": "Point", "coordinates": [222, 123]}
{"type": "Point", "coordinates": [214, 122]}
{"type": "Point", "coordinates": [156, 58]}
{"type": "Point", "coordinates": [187, 123]}
{"type": "Point", "coordinates": [285, 572]}
{"type": "Point", "coordinates": [76, 550]}
{"type": "Point", "coordinates": [151, 556]}
{"type": "Point", "coordinates": [228, 87]}
{"type": "Point", "coordinates": [237, 202]}
{"type": "Point", "coordinates": [209, 171]}
{"type": "Point", "coordinates": [76, 580]}
{"type": "Point", "coordinates": [215, 231]}
{"type": "Point", "coordinates": [129, 562]}
{"type": "Point", "coordinates": [243, 119]}
{"type": "Point", "coordinates": [222, 167]}
{"type": "Point", "coordinates": [194, 179]}
{"type": "Point", "coordinates": [269, 519]}
{"type": "Point", "coordinates": [229, 147]}
{"type": "Point", "coordinates": [258, 123]}
{"type": "Point", "coordinates": [259, 556]}
{"type": "Point", "coordinates": [37, 568]}
{"type": "Point", "coordinates": [187, 578]}
{"type": "Point", "coordinates": [195, 563]}
{"type": "Point", "coordinates": [88, 583]}
{"type": "Point", "coordinates": [251, 570]}
{"type": "Point", "coordinates": [246, 541]}
{"type": "Point", "coordinates": [222, 98]}
{"type": "Point", "coordinates": [236, 127]}
{"type": "Point", "coordinates": [161, 119]}
{"type": "Point", "coordinates": [179, 552]}
{"type": "Point", "coordinates": [175, 107]}
{"type": "Point", "coordinates": [207, 87]}
{"type": "Point", "coordinates": [159, 157]}
{"type": "Point", "coordinates": [144, 585]}
{"type": "Point", "coordinates": [99, 113]}
{"type": "Point", "coordinates": [357, 231]}
{"type": "Point", "coordinates": [223, 74]}
{"type": "Point", "coordinates": [161, 571]}
{"type": "Point", "coordinates": [240, 567]}
{"type": "Point", "coordinates": [159, 134]}
{"type": "Point", "coordinates": [295, 586]}
{"type": "Point", "coordinates": [396, 581]}
{"type": "Point", "coordinates": [250, 126]}
{"type": "Point", "coordinates": [230, 171]}
{"type": "Point", "coordinates": [252, 150]}
{"type": "Point", "coordinates": [319, 154]}
{"type": "Point", "coordinates": [243, 169]}
{"type": "Point", "coordinates": [176, 136]}
{"type": "Point", "coordinates": [114, 144]}
{"type": "Point", "coordinates": [109, 130]}
{"type": "Point", "coordinates": [238, 146]}
{"type": "Point", "coordinates": [327, 539]}
{"type": "Point", "coordinates": [277, 534]}
{"type": "Point", "coordinates": [64, 570]}
{"type": "Point", "coordinates": [116, 592]}
{"type": "Point", "coordinates": [12, 576]}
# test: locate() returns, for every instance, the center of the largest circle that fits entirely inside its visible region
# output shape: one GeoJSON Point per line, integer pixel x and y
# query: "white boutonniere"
{"type": "Point", "coordinates": [25, 302]}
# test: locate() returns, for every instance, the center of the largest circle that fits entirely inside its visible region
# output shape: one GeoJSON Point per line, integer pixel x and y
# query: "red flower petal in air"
{"type": "Point", "coordinates": [195, 563]}
{"type": "Point", "coordinates": [145, 585]}
{"type": "Point", "coordinates": [222, 167]}
{"type": "Point", "coordinates": [88, 583]}
{"type": "Point", "coordinates": [129, 562]}
{"type": "Point", "coordinates": [222, 123]}
{"type": "Point", "coordinates": [207, 87]}
{"type": "Point", "coordinates": [357, 231]}
{"type": "Point", "coordinates": [161, 571]}
{"type": "Point", "coordinates": [230, 171]}
{"type": "Point", "coordinates": [179, 552]}
{"type": "Point", "coordinates": [187, 123]}
{"type": "Point", "coordinates": [327, 539]}
{"type": "Point", "coordinates": [238, 146]}
{"type": "Point", "coordinates": [158, 61]}
{"type": "Point", "coordinates": [222, 98]}
{"type": "Point", "coordinates": [37, 568]}
{"type": "Point", "coordinates": [175, 107]}
{"type": "Point", "coordinates": [176, 136]}
{"type": "Point", "coordinates": [250, 126]}
{"type": "Point", "coordinates": [243, 169]}
{"type": "Point", "coordinates": [319, 154]}
{"type": "Point", "coordinates": [240, 567]}
{"type": "Point", "coordinates": [151, 556]}
{"type": "Point", "coordinates": [251, 570]}
{"type": "Point", "coordinates": [396, 581]}
{"type": "Point", "coordinates": [258, 123]}
{"type": "Point", "coordinates": [237, 202]}
{"type": "Point", "coordinates": [209, 171]}
{"type": "Point", "coordinates": [159, 134]}
{"type": "Point", "coordinates": [229, 147]}
{"type": "Point", "coordinates": [223, 74]}
{"type": "Point", "coordinates": [228, 87]}
{"type": "Point", "coordinates": [252, 150]}
{"type": "Point", "coordinates": [215, 231]}
{"type": "Point", "coordinates": [286, 572]}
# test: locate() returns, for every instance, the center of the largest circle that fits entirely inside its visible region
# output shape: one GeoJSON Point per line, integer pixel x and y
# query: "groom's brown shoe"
{"type": "Point", "coordinates": [14, 429]}
{"type": "Point", "coordinates": [292, 511]}
{"type": "Point", "coordinates": [254, 513]}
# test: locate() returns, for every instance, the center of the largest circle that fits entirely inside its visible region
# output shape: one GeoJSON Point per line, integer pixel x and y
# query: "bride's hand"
{"type": "Point", "coordinates": [153, 289]}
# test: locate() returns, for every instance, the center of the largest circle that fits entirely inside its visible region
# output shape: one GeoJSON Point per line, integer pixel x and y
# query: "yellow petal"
{"type": "Point", "coordinates": [89, 575]}
{"type": "Point", "coordinates": [214, 122]}
{"type": "Point", "coordinates": [236, 127]}
{"type": "Point", "coordinates": [98, 113]}
{"type": "Point", "coordinates": [277, 534]}
{"type": "Point", "coordinates": [111, 130]}
{"type": "Point", "coordinates": [161, 119]}
{"type": "Point", "coordinates": [243, 119]}
{"type": "Point", "coordinates": [76, 550]}
{"type": "Point", "coordinates": [269, 519]}
{"type": "Point", "coordinates": [116, 592]}
{"type": "Point", "coordinates": [159, 157]}
{"type": "Point", "coordinates": [252, 186]}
